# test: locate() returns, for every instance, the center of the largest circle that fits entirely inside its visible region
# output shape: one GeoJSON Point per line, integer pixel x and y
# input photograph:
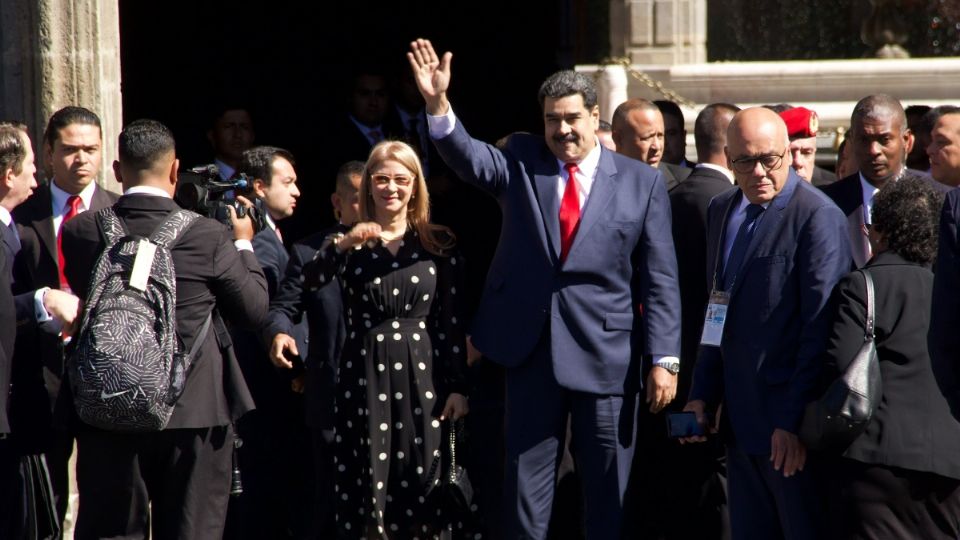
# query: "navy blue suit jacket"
{"type": "Point", "coordinates": [269, 386]}
{"type": "Point", "coordinates": [323, 309]}
{"type": "Point", "coordinates": [944, 336]}
{"type": "Point", "coordinates": [622, 257]}
{"type": "Point", "coordinates": [767, 367]}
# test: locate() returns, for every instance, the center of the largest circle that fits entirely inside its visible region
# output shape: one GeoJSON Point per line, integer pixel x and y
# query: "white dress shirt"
{"type": "Point", "coordinates": [59, 197]}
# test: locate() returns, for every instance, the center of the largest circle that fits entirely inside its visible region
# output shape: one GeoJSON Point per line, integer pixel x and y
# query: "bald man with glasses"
{"type": "Point", "coordinates": [775, 248]}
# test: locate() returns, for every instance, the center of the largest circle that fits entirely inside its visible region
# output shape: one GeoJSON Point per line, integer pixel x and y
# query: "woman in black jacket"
{"type": "Point", "coordinates": [901, 477]}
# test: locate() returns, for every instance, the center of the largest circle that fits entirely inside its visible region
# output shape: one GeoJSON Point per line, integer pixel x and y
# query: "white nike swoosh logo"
{"type": "Point", "coordinates": [105, 395]}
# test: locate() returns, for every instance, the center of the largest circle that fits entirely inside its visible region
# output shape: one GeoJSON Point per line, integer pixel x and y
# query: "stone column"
{"type": "Point", "coordinates": [659, 32]}
{"type": "Point", "coordinates": [611, 90]}
{"type": "Point", "coordinates": [55, 53]}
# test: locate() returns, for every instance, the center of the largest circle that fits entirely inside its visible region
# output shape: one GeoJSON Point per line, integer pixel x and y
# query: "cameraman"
{"type": "Point", "coordinates": [275, 489]}
{"type": "Point", "coordinates": [172, 483]}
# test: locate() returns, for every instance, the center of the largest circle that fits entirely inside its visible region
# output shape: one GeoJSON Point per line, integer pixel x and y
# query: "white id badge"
{"type": "Point", "coordinates": [142, 265]}
{"type": "Point", "coordinates": [715, 318]}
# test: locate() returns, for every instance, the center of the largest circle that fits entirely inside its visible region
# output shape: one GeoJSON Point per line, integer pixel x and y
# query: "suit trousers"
{"type": "Point", "coordinates": [765, 504]}
{"type": "Point", "coordinates": [603, 430]}
{"type": "Point", "coordinates": [879, 502]}
{"type": "Point", "coordinates": [165, 485]}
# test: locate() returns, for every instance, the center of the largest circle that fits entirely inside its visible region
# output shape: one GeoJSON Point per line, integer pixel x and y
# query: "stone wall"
{"type": "Point", "coordinates": [55, 53]}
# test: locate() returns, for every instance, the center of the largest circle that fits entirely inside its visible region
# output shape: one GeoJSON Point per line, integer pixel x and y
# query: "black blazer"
{"type": "Point", "coordinates": [847, 193]}
{"type": "Point", "coordinates": [211, 272]}
{"type": "Point", "coordinates": [913, 428]}
{"type": "Point", "coordinates": [269, 386]}
{"type": "Point", "coordinates": [822, 177]}
{"type": "Point", "coordinates": [8, 323]}
{"type": "Point", "coordinates": [673, 175]}
{"type": "Point", "coordinates": [688, 203]}
{"type": "Point", "coordinates": [323, 308]}
{"type": "Point", "coordinates": [38, 357]}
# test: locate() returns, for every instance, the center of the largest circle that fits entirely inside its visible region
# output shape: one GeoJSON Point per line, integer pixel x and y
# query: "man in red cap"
{"type": "Point", "coordinates": [802, 124]}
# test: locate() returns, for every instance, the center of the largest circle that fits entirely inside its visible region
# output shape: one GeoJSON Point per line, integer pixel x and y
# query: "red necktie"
{"type": "Point", "coordinates": [569, 211]}
{"type": "Point", "coordinates": [74, 202]}
{"type": "Point", "coordinates": [375, 135]}
{"type": "Point", "coordinates": [279, 236]}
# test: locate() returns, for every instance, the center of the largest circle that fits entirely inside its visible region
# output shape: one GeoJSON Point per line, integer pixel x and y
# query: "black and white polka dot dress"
{"type": "Point", "coordinates": [403, 355]}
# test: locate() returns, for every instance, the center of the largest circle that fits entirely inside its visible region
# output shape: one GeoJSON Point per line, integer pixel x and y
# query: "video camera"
{"type": "Point", "coordinates": [201, 190]}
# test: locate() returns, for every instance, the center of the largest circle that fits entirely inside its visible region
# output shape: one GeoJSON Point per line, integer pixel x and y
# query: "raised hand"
{"type": "Point", "coordinates": [432, 74]}
{"type": "Point", "coordinates": [360, 233]}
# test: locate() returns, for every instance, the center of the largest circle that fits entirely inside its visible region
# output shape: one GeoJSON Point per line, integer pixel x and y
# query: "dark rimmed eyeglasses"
{"type": "Point", "coordinates": [769, 162]}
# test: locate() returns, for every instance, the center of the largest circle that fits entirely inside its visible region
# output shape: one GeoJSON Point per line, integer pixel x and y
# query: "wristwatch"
{"type": "Point", "coordinates": [672, 367]}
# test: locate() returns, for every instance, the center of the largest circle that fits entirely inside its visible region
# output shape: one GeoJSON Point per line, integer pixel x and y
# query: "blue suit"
{"type": "Point", "coordinates": [768, 364]}
{"type": "Point", "coordinates": [944, 337]}
{"type": "Point", "coordinates": [570, 333]}
{"type": "Point", "coordinates": [276, 491]}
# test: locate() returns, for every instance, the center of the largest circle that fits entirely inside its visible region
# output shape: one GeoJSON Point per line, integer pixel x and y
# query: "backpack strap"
{"type": "Point", "coordinates": [176, 222]}
{"type": "Point", "coordinates": [111, 227]}
{"type": "Point", "coordinates": [201, 337]}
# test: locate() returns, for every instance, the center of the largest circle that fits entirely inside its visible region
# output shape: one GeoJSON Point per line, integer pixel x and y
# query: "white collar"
{"type": "Point", "coordinates": [59, 197]}
{"type": "Point", "coordinates": [5, 216]}
{"type": "Point", "coordinates": [147, 190]}
{"type": "Point", "coordinates": [725, 171]}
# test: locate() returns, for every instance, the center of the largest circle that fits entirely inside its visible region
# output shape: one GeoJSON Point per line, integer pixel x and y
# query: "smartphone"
{"type": "Point", "coordinates": [683, 424]}
{"type": "Point", "coordinates": [299, 368]}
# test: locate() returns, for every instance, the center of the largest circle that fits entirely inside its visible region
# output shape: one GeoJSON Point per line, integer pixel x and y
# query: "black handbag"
{"type": "Point", "coordinates": [42, 521]}
{"type": "Point", "coordinates": [450, 492]}
{"type": "Point", "coordinates": [844, 410]}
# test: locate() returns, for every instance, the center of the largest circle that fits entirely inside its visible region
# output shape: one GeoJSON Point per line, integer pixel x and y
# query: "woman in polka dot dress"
{"type": "Point", "coordinates": [401, 370]}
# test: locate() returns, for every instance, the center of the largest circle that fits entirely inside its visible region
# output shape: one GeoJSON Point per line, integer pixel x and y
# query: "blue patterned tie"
{"type": "Point", "coordinates": [740, 243]}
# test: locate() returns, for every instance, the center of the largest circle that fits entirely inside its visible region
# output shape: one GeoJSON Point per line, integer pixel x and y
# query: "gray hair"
{"type": "Point", "coordinates": [567, 83]}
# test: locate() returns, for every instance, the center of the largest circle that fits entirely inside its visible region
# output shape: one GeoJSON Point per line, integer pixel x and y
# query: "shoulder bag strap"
{"type": "Point", "coordinates": [869, 330]}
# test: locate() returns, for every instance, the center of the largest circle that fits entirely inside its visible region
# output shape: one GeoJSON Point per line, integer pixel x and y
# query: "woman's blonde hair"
{"type": "Point", "coordinates": [436, 239]}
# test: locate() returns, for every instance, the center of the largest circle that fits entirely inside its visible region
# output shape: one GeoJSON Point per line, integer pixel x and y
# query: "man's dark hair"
{"type": "Point", "coordinates": [346, 172]}
{"type": "Point", "coordinates": [709, 133]}
{"type": "Point", "coordinates": [930, 117]}
{"type": "Point", "coordinates": [879, 106]}
{"type": "Point", "coordinates": [907, 214]}
{"type": "Point", "coordinates": [257, 162]}
{"type": "Point", "coordinates": [13, 147]}
{"type": "Point", "coordinates": [144, 142]}
{"type": "Point", "coordinates": [567, 83]}
{"type": "Point", "coordinates": [68, 116]}
{"type": "Point", "coordinates": [916, 111]}
{"type": "Point", "coordinates": [223, 107]}
{"type": "Point", "coordinates": [669, 108]}
{"type": "Point", "coordinates": [841, 146]}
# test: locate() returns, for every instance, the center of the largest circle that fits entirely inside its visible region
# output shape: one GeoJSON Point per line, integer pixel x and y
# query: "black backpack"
{"type": "Point", "coordinates": [128, 368]}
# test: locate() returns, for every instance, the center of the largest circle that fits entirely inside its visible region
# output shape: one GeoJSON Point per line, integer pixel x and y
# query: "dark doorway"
{"type": "Point", "coordinates": [289, 60]}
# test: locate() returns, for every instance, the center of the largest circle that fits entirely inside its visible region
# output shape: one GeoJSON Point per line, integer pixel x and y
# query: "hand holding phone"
{"type": "Point", "coordinates": [683, 424]}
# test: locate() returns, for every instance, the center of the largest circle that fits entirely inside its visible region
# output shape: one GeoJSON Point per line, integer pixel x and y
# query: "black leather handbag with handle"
{"type": "Point", "coordinates": [844, 410]}
{"type": "Point", "coordinates": [450, 491]}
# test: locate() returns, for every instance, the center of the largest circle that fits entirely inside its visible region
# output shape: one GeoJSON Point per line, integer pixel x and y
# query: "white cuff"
{"type": "Point", "coordinates": [441, 126]}
{"type": "Point", "coordinates": [660, 360]}
{"type": "Point", "coordinates": [243, 245]}
{"type": "Point", "coordinates": [41, 312]}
